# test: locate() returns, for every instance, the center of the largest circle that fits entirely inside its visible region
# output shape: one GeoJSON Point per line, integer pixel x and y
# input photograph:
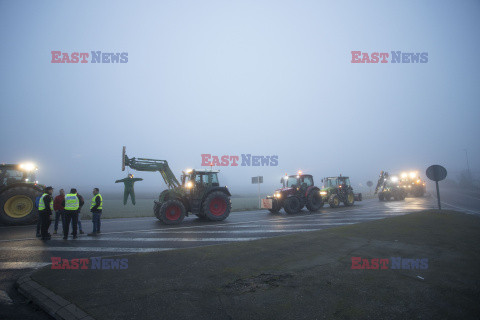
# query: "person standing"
{"type": "Point", "coordinates": [59, 209]}
{"type": "Point", "coordinates": [45, 208]}
{"type": "Point", "coordinates": [128, 183]}
{"type": "Point", "coordinates": [96, 210]}
{"type": "Point", "coordinates": [82, 202]}
{"type": "Point", "coordinates": [71, 205]}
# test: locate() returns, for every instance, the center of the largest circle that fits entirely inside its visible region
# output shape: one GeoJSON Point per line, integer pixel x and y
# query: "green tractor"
{"type": "Point", "coordinates": [198, 193]}
{"type": "Point", "coordinates": [336, 190]}
{"type": "Point", "coordinates": [18, 190]}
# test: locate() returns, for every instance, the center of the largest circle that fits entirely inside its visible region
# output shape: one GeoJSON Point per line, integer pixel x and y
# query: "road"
{"type": "Point", "coordinates": [20, 251]}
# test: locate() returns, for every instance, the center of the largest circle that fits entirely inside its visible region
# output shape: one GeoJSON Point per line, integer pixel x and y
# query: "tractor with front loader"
{"type": "Point", "coordinates": [297, 192]}
{"type": "Point", "coordinates": [18, 191]}
{"type": "Point", "coordinates": [336, 190]}
{"type": "Point", "coordinates": [388, 188]}
{"type": "Point", "coordinates": [199, 192]}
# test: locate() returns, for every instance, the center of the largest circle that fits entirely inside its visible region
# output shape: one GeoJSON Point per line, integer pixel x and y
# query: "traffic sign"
{"type": "Point", "coordinates": [437, 173]}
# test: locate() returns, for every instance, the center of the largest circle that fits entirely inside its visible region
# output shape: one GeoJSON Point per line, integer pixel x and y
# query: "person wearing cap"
{"type": "Point", "coordinates": [128, 183]}
{"type": "Point", "coordinates": [71, 204]}
{"type": "Point", "coordinates": [45, 208]}
{"type": "Point", "coordinates": [96, 210]}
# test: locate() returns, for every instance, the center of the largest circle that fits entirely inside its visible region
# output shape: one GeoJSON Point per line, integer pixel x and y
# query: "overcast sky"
{"type": "Point", "coordinates": [239, 77]}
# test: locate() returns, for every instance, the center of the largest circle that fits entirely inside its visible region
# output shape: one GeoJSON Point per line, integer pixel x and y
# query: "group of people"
{"type": "Point", "coordinates": [67, 208]}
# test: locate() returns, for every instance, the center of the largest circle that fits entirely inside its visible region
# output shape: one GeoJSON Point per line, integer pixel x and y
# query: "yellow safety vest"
{"type": "Point", "coordinates": [94, 203]}
{"type": "Point", "coordinates": [41, 203]}
{"type": "Point", "coordinates": [72, 202]}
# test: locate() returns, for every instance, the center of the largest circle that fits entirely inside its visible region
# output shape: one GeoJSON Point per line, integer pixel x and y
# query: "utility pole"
{"type": "Point", "coordinates": [468, 165]}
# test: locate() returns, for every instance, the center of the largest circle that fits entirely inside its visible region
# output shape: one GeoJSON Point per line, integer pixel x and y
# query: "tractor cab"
{"type": "Point", "coordinates": [21, 173]}
{"type": "Point", "coordinates": [297, 181]}
{"type": "Point", "coordinates": [200, 178]}
{"type": "Point", "coordinates": [336, 182]}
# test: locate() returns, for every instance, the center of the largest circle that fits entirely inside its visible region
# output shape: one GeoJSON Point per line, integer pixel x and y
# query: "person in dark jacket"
{"type": "Point", "coordinates": [57, 206]}
{"type": "Point", "coordinates": [96, 210]}
{"type": "Point", "coordinates": [79, 222]}
{"type": "Point", "coordinates": [45, 208]}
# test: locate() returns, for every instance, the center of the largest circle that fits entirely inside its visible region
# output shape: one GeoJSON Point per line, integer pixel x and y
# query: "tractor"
{"type": "Point", "coordinates": [388, 188]}
{"type": "Point", "coordinates": [336, 190]}
{"type": "Point", "coordinates": [413, 185]}
{"type": "Point", "coordinates": [297, 191]}
{"type": "Point", "coordinates": [198, 193]}
{"type": "Point", "coordinates": [18, 190]}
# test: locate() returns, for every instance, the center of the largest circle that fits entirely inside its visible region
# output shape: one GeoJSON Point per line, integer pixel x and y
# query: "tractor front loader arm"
{"type": "Point", "coordinates": [151, 165]}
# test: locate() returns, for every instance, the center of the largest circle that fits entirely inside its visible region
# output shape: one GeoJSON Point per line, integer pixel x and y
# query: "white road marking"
{"type": "Point", "coordinates": [21, 265]}
{"type": "Point", "coordinates": [169, 239]}
{"type": "Point", "coordinates": [5, 298]}
{"type": "Point", "coordinates": [86, 249]}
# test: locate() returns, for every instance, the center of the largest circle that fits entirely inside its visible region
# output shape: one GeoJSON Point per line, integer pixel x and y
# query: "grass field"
{"type": "Point", "coordinates": [144, 207]}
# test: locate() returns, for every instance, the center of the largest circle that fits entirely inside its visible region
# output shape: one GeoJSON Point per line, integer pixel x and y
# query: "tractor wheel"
{"type": "Point", "coordinates": [334, 201]}
{"type": "Point", "coordinates": [17, 206]}
{"type": "Point", "coordinates": [292, 205]}
{"type": "Point", "coordinates": [381, 197]}
{"type": "Point", "coordinates": [314, 200]}
{"type": "Point", "coordinates": [217, 206]}
{"type": "Point", "coordinates": [349, 199]}
{"type": "Point", "coordinates": [172, 212]}
{"type": "Point", "coordinates": [387, 196]}
{"type": "Point", "coordinates": [275, 206]}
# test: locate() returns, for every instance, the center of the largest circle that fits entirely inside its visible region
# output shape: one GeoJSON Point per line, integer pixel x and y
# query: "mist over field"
{"type": "Point", "coordinates": [230, 78]}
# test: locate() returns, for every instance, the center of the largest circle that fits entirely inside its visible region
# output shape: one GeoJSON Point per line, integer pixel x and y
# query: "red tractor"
{"type": "Point", "coordinates": [297, 192]}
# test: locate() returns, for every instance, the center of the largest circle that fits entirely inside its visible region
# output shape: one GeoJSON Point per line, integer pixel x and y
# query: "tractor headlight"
{"type": "Point", "coordinates": [189, 184]}
{"type": "Point", "coordinates": [277, 195]}
{"type": "Point", "coordinates": [323, 193]}
{"type": "Point", "coordinates": [27, 166]}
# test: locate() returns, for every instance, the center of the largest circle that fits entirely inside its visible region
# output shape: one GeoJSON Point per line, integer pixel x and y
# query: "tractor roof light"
{"type": "Point", "coordinates": [188, 171]}
{"type": "Point", "coordinates": [299, 172]}
{"type": "Point", "coordinates": [413, 174]}
{"type": "Point", "coordinates": [394, 179]}
{"type": "Point", "coordinates": [404, 175]}
{"type": "Point", "coordinates": [28, 166]}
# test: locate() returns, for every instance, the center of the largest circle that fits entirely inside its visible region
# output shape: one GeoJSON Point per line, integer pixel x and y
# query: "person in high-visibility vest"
{"type": "Point", "coordinates": [45, 208]}
{"type": "Point", "coordinates": [96, 209]}
{"type": "Point", "coordinates": [71, 206]}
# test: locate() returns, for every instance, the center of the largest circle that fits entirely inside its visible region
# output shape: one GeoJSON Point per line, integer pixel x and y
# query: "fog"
{"type": "Point", "coordinates": [238, 77]}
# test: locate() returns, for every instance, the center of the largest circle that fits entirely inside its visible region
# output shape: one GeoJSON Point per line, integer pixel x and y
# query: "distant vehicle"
{"type": "Point", "coordinates": [388, 188]}
{"type": "Point", "coordinates": [199, 192]}
{"type": "Point", "coordinates": [413, 185]}
{"type": "Point", "coordinates": [18, 190]}
{"type": "Point", "coordinates": [336, 190]}
{"type": "Point", "coordinates": [297, 192]}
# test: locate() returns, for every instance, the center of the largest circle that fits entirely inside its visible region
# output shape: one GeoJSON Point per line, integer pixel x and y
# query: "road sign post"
{"type": "Point", "coordinates": [437, 173]}
{"type": "Point", "coordinates": [258, 180]}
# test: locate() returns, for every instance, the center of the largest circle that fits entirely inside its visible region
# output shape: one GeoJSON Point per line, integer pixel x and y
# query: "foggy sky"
{"type": "Point", "coordinates": [239, 77]}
